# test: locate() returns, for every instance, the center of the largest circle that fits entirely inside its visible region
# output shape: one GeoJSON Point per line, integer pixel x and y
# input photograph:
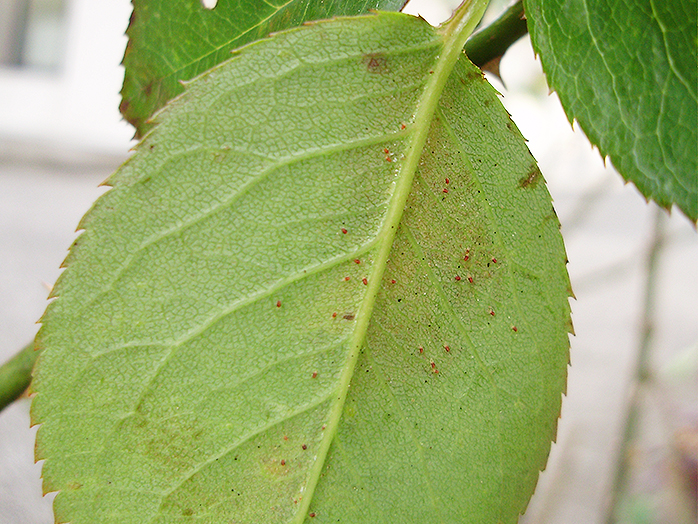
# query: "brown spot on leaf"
{"type": "Point", "coordinates": [376, 63]}
{"type": "Point", "coordinates": [531, 179]}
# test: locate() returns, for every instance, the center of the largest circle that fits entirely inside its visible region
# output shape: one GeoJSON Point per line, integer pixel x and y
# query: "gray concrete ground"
{"type": "Point", "coordinates": [607, 226]}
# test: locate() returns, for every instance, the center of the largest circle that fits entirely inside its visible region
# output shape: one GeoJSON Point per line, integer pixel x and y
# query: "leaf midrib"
{"type": "Point", "coordinates": [454, 35]}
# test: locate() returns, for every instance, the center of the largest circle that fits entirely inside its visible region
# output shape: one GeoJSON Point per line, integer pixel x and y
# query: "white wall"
{"type": "Point", "coordinates": [77, 106]}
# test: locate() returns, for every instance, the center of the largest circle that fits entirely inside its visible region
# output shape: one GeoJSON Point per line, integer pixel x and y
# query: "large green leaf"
{"type": "Point", "coordinates": [627, 71]}
{"type": "Point", "coordinates": [329, 285]}
{"type": "Point", "coordinates": [175, 40]}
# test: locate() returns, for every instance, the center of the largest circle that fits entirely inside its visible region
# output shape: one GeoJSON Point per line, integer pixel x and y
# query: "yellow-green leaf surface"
{"type": "Point", "coordinates": [328, 287]}
{"type": "Point", "coordinates": [627, 71]}
{"type": "Point", "coordinates": [174, 40]}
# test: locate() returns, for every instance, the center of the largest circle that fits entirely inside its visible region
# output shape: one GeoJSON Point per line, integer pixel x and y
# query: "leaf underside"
{"type": "Point", "coordinates": [156, 61]}
{"type": "Point", "coordinates": [626, 71]}
{"type": "Point", "coordinates": [226, 342]}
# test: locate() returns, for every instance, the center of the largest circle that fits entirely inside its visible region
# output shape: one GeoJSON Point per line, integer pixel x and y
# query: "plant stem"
{"type": "Point", "coordinates": [642, 375]}
{"type": "Point", "coordinates": [493, 41]}
{"type": "Point", "coordinates": [15, 375]}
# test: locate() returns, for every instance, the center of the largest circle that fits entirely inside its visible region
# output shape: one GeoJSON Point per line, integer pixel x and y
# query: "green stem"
{"type": "Point", "coordinates": [642, 375]}
{"type": "Point", "coordinates": [493, 41]}
{"type": "Point", "coordinates": [16, 374]}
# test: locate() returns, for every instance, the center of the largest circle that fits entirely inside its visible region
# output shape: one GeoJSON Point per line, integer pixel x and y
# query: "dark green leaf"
{"type": "Point", "coordinates": [175, 40]}
{"type": "Point", "coordinates": [627, 71]}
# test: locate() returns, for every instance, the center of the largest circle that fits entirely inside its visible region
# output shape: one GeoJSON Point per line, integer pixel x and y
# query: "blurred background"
{"type": "Point", "coordinates": [633, 267]}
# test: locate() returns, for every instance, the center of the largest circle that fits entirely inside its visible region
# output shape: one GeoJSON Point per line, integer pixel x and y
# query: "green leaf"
{"type": "Point", "coordinates": [171, 41]}
{"type": "Point", "coordinates": [627, 72]}
{"type": "Point", "coordinates": [271, 316]}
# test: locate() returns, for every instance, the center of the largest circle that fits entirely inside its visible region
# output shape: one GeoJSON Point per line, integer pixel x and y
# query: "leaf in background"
{"type": "Point", "coordinates": [170, 41]}
{"type": "Point", "coordinates": [627, 72]}
{"type": "Point", "coordinates": [329, 285]}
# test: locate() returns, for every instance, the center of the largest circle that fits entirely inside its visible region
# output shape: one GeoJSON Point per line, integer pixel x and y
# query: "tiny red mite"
{"type": "Point", "coordinates": [447, 348]}
{"type": "Point", "coordinates": [347, 279]}
{"type": "Point", "coordinates": [344, 231]}
{"type": "Point", "coordinates": [445, 190]}
{"type": "Point", "coordinates": [514, 329]}
{"type": "Point", "coordinates": [365, 281]}
{"type": "Point", "coordinates": [304, 447]}
{"type": "Point", "coordinates": [334, 315]}
{"type": "Point", "coordinates": [470, 279]}
{"type": "Point", "coordinates": [421, 350]}
{"type": "Point", "coordinates": [357, 261]}
{"type": "Point", "coordinates": [393, 281]}
{"type": "Point", "coordinates": [283, 462]}
{"type": "Point", "coordinates": [314, 374]}
{"type": "Point", "coordinates": [278, 303]}
{"type": "Point", "coordinates": [457, 278]}
{"type": "Point", "coordinates": [494, 260]}
{"type": "Point", "coordinates": [448, 181]}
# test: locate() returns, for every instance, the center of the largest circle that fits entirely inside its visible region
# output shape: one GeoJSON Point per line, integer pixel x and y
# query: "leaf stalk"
{"type": "Point", "coordinates": [493, 41]}
{"type": "Point", "coordinates": [15, 375]}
